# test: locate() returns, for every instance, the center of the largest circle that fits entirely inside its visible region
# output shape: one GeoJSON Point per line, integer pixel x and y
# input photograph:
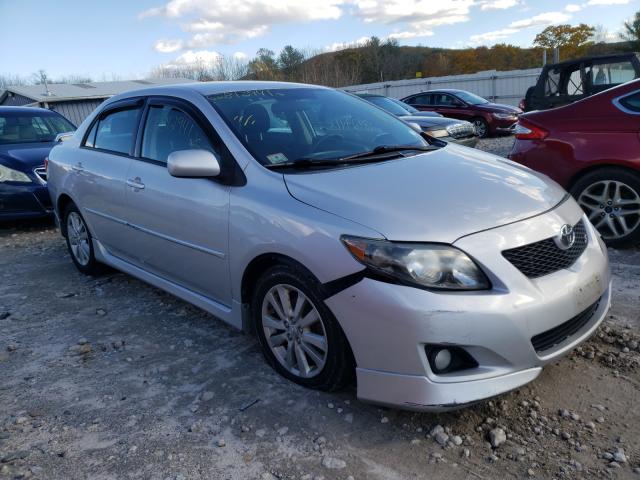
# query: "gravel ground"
{"type": "Point", "coordinates": [108, 377]}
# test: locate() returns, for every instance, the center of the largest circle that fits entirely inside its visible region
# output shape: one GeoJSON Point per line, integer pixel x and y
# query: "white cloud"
{"type": "Point", "coordinates": [334, 47]}
{"type": "Point", "coordinates": [191, 57]}
{"type": "Point", "coordinates": [214, 22]}
{"type": "Point", "coordinates": [240, 56]}
{"type": "Point", "coordinates": [410, 34]}
{"type": "Point", "coordinates": [543, 19]}
{"type": "Point", "coordinates": [608, 2]}
{"type": "Point", "coordinates": [391, 11]}
{"type": "Point", "coordinates": [492, 37]}
{"type": "Point", "coordinates": [572, 8]}
{"type": "Point", "coordinates": [168, 46]}
{"type": "Point", "coordinates": [498, 4]}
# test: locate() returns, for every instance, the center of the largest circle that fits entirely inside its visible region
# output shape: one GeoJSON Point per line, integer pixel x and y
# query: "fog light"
{"type": "Point", "coordinates": [448, 359]}
{"type": "Point", "coordinates": [442, 360]}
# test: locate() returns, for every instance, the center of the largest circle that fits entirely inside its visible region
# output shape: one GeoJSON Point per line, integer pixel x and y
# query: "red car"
{"type": "Point", "coordinates": [488, 118]}
{"type": "Point", "coordinates": [591, 148]}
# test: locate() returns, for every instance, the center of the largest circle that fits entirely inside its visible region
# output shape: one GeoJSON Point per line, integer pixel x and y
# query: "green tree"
{"type": "Point", "coordinates": [571, 40]}
{"type": "Point", "coordinates": [631, 30]}
{"type": "Point", "coordinates": [289, 61]}
{"type": "Point", "coordinates": [264, 65]}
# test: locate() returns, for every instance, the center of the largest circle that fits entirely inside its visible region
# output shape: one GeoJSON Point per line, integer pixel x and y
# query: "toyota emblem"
{"type": "Point", "coordinates": [567, 237]}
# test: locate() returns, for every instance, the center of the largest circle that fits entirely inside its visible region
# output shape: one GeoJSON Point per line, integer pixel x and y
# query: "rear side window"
{"type": "Point", "coordinates": [631, 102]}
{"type": "Point", "coordinates": [115, 131]}
{"type": "Point", "coordinates": [169, 129]}
{"type": "Point", "coordinates": [420, 100]}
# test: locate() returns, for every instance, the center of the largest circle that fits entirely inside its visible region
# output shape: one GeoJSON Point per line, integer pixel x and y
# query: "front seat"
{"type": "Point", "coordinates": [254, 126]}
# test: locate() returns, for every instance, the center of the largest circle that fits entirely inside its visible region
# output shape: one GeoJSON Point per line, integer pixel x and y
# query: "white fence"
{"type": "Point", "coordinates": [502, 87]}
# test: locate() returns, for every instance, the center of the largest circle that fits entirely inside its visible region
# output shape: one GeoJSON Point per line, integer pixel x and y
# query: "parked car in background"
{"type": "Point", "coordinates": [414, 111]}
{"type": "Point", "coordinates": [488, 118]}
{"type": "Point", "coordinates": [567, 82]}
{"type": "Point", "coordinates": [446, 129]}
{"type": "Point", "coordinates": [347, 241]}
{"type": "Point", "coordinates": [591, 148]}
{"type": "Point", "coordinates": [26, 137]}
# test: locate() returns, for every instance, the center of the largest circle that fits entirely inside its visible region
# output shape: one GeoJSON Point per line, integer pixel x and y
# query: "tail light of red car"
{"type": "Point", "coordinates": [526, 130]}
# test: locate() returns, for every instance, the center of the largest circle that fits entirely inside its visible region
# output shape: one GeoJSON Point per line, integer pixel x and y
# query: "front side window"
{"type": "Point", "coordinates": [115, 131]}
{"type": "Point", "coordinates": [442, 100]}
{"type": "Point", "coordinates": [169, 129]}
{"type": "Point", "coordinates": [322, 124]}
{"type": "Point", "coordinates": [28, 128]}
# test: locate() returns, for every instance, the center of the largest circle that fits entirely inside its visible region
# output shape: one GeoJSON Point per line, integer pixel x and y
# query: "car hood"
{"type": "Point", "coordinates": [24, 156]}
{"type": "Point", "coordinates": [430, 121]}
{"type": "Point", "coordinates": [498, 108]}
{"type": "Point", "coordinates": [436, 196]}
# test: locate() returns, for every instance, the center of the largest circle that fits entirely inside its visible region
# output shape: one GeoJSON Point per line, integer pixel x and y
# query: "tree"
{"type": "Point", "coordinates": [289, 61]}
{"type": "Point", "coordinates": [264, 65]}
{"type": "Point", "coordinates": [631, 30]}
{"type": "Point", "coordinates": [571, 40]}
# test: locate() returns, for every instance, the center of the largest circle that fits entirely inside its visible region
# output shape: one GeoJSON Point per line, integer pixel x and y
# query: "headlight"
{"type": "Point", "coordinates": [505, 116]}
{"type": "Point", "coordinates": [437, 133]}
{"type": "Point", "coordinates": [420, 264]}
{"type": "Point", "coordinates": [9, 175]}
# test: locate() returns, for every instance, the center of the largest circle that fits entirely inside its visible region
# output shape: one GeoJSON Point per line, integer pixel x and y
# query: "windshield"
{"type": "Point", "coordinates": [279, 126]}
{"type": "Point", "coordinates": [388, 104]}
{"type": "Point", "coordinates": [471, 99]}
{"type": "Point", "coordinates": [29, 128]}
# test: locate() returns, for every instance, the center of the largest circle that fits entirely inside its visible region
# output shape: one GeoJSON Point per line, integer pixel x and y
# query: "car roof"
{"type": "Point", "coordinates": [611, 56]}
{"type": "Point", "coordinates": [30, 110]}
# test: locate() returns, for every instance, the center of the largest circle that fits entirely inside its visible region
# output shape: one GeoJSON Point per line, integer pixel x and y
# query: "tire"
{"type": "Point", "coordinates": [329, 369]}
{"type": "Point", "coordinates": [611, 199]}
{"type": "Point", "coordinates": [482, 127]}
{"type": "Point", "coordinates": [79, 241]}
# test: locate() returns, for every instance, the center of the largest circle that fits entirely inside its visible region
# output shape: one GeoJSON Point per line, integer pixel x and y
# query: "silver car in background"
{"type": "Point", "coordinates": [350, 244]}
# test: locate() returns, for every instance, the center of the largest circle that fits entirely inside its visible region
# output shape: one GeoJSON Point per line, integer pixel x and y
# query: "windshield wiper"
{"type": "Point", "coordinates": [382, 149]}
{"type": "Point", "coordinates": [377, 154]}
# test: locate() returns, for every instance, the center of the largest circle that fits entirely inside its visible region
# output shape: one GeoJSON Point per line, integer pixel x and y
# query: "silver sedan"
{"type": "Point", "coordinates": [352, 246]}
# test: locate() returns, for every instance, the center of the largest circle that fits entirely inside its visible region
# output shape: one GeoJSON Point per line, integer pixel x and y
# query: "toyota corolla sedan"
{"type": "Point", "coordinates": [351, 244]}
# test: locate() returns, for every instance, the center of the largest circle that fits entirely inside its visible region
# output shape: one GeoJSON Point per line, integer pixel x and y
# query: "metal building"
{"type": "Point", "coordinates": [503, 87]}
{"type": "Point", "coordinates": [75, 100]}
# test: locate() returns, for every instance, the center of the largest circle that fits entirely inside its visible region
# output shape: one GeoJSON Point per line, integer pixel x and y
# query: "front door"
{"type": "Point", "coordinates": [179, 226]}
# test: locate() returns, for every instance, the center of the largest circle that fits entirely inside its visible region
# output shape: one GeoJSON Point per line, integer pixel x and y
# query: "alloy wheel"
{"type": "Point", "coordinates": [612, 206]}
{"type": "Point", "coordinates": [78, 238]}
{"type": "Point", "coordinates": [294, 331]}
{"type": "Point", "coordinates": [481, 127]}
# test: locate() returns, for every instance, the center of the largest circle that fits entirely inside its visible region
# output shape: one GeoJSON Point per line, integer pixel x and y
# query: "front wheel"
{"type": "Point", "coordinates": [79, 241]}
{"type": "Point", "coordinates": [482, 127]}
{"type": "Point", "coordinates": [299, 335]}
{"type": "Point", "coordinates": [611, 199]}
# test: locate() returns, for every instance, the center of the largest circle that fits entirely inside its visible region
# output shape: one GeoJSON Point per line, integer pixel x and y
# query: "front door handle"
{"type": "Point", "coordinates": [135, 183]}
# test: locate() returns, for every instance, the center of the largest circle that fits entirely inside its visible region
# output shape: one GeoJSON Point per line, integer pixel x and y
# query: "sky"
{"type": "Point", "coordinates": [125, 39]}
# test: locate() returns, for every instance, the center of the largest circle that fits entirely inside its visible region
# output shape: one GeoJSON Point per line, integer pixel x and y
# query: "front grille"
{"type": "Point", "coordinates": [546, 340]}
{"type": "Point", "coordinates": [41, 173]}
{"type": "Point", "coordinates": [461, 130]}
{"type": "Point", "coordinates": [545, 257]}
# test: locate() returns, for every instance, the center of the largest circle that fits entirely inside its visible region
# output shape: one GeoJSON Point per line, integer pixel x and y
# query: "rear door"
{"type": "Point", "coordinates": [100, 168]}
{"type": "Point", "coordinates": [178, 226]}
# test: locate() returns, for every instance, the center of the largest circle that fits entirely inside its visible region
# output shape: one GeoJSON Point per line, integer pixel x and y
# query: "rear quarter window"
{"type": "Point", "coordinates": [631, 102]}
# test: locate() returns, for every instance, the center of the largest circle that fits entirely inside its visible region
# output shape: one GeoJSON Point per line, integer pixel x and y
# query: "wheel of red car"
{"type": "Point", "coordinates": [611, 199]}
{"type": "Point", "coordinates": [482, 127]}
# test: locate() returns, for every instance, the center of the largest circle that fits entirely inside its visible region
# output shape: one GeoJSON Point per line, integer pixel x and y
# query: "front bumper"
{"type": "Point", "coordinates": [389, 325]}
{"type": "Point", "coordinates": [21, 201]}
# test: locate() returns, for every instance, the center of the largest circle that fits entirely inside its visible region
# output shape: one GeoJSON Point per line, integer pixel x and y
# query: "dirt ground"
{"type": "Point", "coordinates": [109, 378]}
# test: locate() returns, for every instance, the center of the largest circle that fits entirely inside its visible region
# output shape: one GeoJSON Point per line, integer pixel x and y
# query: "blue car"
{"type": "Point", "coordinates": [26, 137]}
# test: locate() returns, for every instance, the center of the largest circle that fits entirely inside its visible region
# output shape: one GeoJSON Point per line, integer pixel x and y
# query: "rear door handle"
{"type": "Point", "coordinates": [77, 167]}
{"type": "Point", "coordinates": [135, 183]}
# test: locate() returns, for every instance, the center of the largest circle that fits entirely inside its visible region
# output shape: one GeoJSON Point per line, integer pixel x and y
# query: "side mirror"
{"type": "Point", "coordinates": [193, 163]}
{"type": "Point", "coordinates": [415, 126]}
{"type": "Point", "coordinates": [63, 137]}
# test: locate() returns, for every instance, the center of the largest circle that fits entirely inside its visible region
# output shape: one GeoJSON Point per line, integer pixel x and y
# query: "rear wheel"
{"type": "Point", "coordinates": [611, 199]}
{"type": "Point", "coordinates": [79, 241]}
{"type": "Point", "coordinates": [299, 335]}
{"type": "Point", "coordinates": [482, 127]}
